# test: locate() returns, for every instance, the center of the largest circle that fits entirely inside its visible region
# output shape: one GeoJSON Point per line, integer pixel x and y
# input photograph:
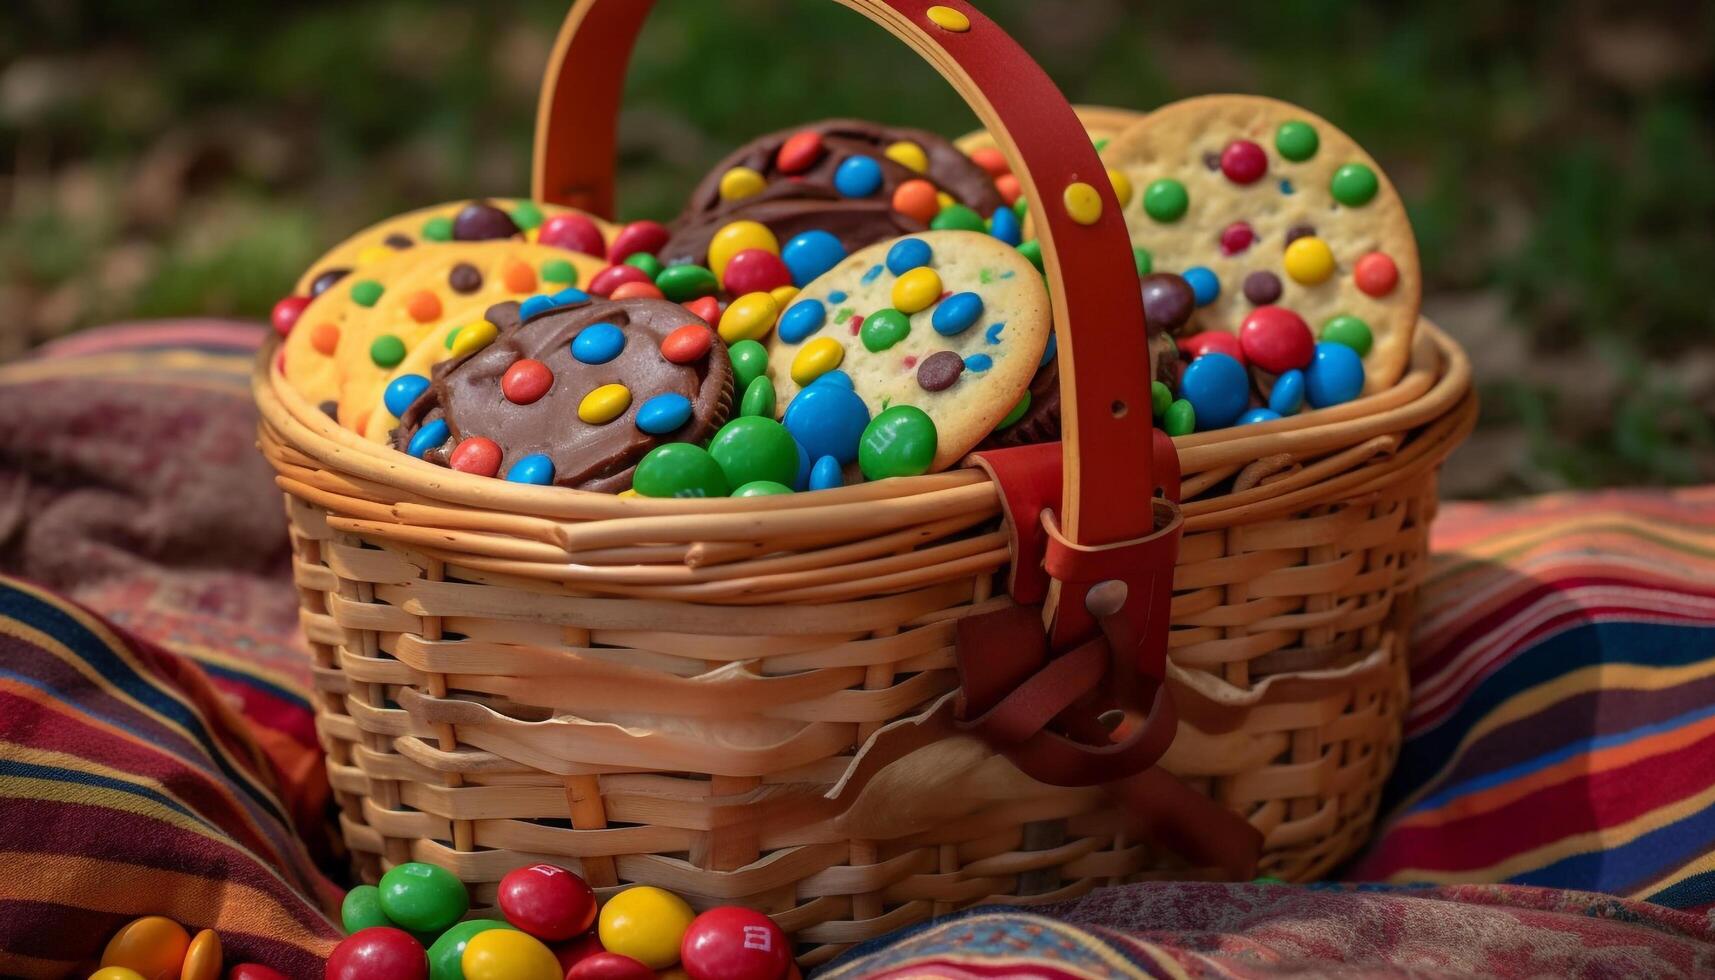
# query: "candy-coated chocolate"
{"type": "Point", "coordinates": [755, 270]}
{"type": "Point", "coordinates": [473, 336]}
{"type": "Point", "coordinates": [1375, 274]}
{"type": "Point", "coordinates": [535, 469]}
{"type": "Point", "coordinates": [1244, 162]}
{"type": "Point", "coordinates": [650, 265]}
{"type": "Point", "coordinates": [858, 176]}
{"type": "Point", "coordinates": [732, 943]}
{"type": "Point", "coordinates": [573, 232]}
{"type": "Point", "coordinates": [827, 474]}
{"type": "Point", "coordinates": [1309, 260]}
{"type": "Point", "coordinates": [116, 973]}
{"type": "Point", "coordinates": [1276, 339]}
{"type": "Point", "coordinates": [1004, 225]}
{"type": "Point", "coordinates": [604, 404]}
{"type": "Point", "coordinates": [916, 290]}
{"type": "Point", "coordinates": [900, 441]}
{"type": "Point", "coordinates": [1009, 188]}
{"type": "Point", "coordinates": [574, 951]}
{"type": "Point", "coordinates": [1237, 237]}
{"type": "Point", "coordinates": [1353, 185]}
{"type": "Point", "coordinates": [644, 922]}
{"type": "Point", "coordinates": [810, 254]}
{"type": "Point", "coordinates": [991, 160]}
{"type": "Point", "coordinates": [1287, 396]}
{"type": "Point", "coordinates": [940, 370]}
{"type": "Point", "coordinates": [1349, 330]}
{"type": "Point", "coordinates": [1032, 250]}
{"type": "Point", "coordinates": [663, 413]}
{"type": "Point", "coordinates": [560, 272]}
{"type": "Point", "coordinates": [636, 290]}
{"type": "Point", "coordinates": [326, 280]}
{"type": "Point", "coordinates": [827, 420]}
{"type": "Point", "coordinates": [202, 958]}
{"type": "Point", "coordinates": [1121, 185]}
{"type": "Point", "coordinates": [1017, 412]}
{"type": "Point", "coordinates": [431, 436]}
{"type": "Point", "coordinates": [1180, 419]}
{"type": "Point", "coordinates": [598, 343]}
{"type": "Point", "coordinates": [681, 283]}
{"type": "Point", "coordinates": [1255, 415]}
{"type": "Point", "coordinates": [638, 236]}
{"type": "Point", "coordinates": [526, 381]}
{"type": "Point", "coordinates": [324, 337]}
{"type": "Point", "coordinates": [1296, 140]}
{"type": "Point", "coordinates": [423, 306]}
{"type": "Point", "coordinates": [1165, 200]}
{"type": "Point", "coordinates": [424, 897]}
{"type": "Point", "coordinates": [739, 183]}
{"type": "Point", "coordinates": [507, 954]}
{"type": "Point", "coordinates": [478, 456]}
{"type": "Point", "coordinates": [387, 351]}
{"type": "Point", "coordinates": [799, 153]}
{"type": "Point", "coordinates": [956, 314]}
{"type": "Point", "coordinates": [481, 221]}
{"type": "Point", "coordinates": [1335, 375]}
{"type": "Point", "coordinates": [680, 469]}
{"type": "Point", "coordinates": [749, 360]}
{"type": "Point", "coordinates": [286, 312]}
{"type": "Point", "coordinates": [749, 448]}
{"type": "Point", "coordinates": [1217, 388]}
{"type": "Point", "coordinates": [1168, 301]}
{"type": "Point", "coordinates": [1205, 285]}
{"type": "Point", "coordinates": [465, 278]}
{"type": "Point", "coordinates": [1262, 287]}
{"type": "Point", "coordinates": [687, 344]}
{"type": "Point", "coordinates": [438, 229]}
{"type": "Point", "coordinates": [446, 954]}
{"type": "Point", "coordinates": [609, 966]}
{"type": "Point", "coordinates": [758, 398]}
{"type": "Point", "coordinates": [907, 254]}
{"type": "Point", "coordinates": [254, 971]}
{"type": "Point", "coordinates": [883, 328]}
{"type": "Point", "coordinates": [958, 217]}
{"type": "Point", "coordinates": [1083, 202]}
{"type": "Point", "coordinates": [1160, 397]}
{"type": "Point", "coordinates": [915, 199]}
{"type": "Point", "coordinates": [948, 19]}
{"type": "Point", "coordinates": [735, 237]}
{"type": "Point", "coordinates": [908, 155]}
{"type": "Point", "coordinates": [749, 317]}
{"type": "Point", "coordinates": [361, 909]}
{"type": "Point", "coordinates": [783, 295]}
{"type": "Point", "coordinates": [705, 308]}
{"type": "Point", "coordinates": [840, 378]}
{"type": "Point", "coordinates": [802, 319]}
{"type": "Point", "coordinates": [378, 953]}
{"type": "Point", "coordinates": [815, 359]}
{"type": "Point", "coordinates": [762, 488]}
{"type": "Point", "coordinates": [607, 280]}
{"type": "Point", "coordinates": [154, 946]}
{"type": "Point", "coordinates": [518, 277]}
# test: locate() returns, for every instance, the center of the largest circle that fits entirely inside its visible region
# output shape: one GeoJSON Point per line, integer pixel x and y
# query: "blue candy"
{"type": "Point", "coordinates": [802, 319]}
{"type": "Point", "coordinates": [571, 296]}
{"type": "Point", "coordinates": [835, 377]}
{"type": "Point", "coordinates": [956, 313]}
{"type": "Point", "coordinates": [1205, 286]}
{"type": "Point", "coordinates": [979, 362]}
{"type": "Point", "coordinates": [430, 436]}
{"type": "Point", "coordinates": [826, 474]}
{"type": "Point", "coordinates": [1217, 388]}
{"type": "Point", "coordinates": [598, 343]}
{"type": "Point", "coordinates": [1335, 375]}
{"type": "Point", "coordinates": [1288, 394]}
{"type": "Point", "coordinates": [801, 482]}
{"type": "Point", "coordinates": [535, 468]}
{"type": "Point", "coordinates": [534, 306]}
{"type": "Point", "coordinates": [1258, 415]}
{"type": "Point", "coordinates": [907, 254]}
{"type": "Point", "coordinates": [811, 254]}
{"type": "Point", "coordinates": [1006, 226]}
{"type": "Point", "coordinates": [403, 391]}
{"type": "Point", "coordinates": [1049, 351]}
{"type": "Point", "coordinates": [858, 176]}
{"type": "Point", "coordinates": [663, 413]}
{"type": "Point", "coordinates": [827, 420]}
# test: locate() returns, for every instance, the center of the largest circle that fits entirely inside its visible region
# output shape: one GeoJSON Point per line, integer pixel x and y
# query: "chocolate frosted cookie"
{"type": "Point", "coordinates": [574, 395]}
{"type": "Point", "coordinates": [788, 211]}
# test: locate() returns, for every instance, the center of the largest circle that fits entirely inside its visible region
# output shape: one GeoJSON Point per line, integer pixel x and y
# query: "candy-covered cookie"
{"type": "Point", "coordinates": [945, 328]}
{"type": "Point", "coordinates": [1280, 223]}
{"type": "Point", "coordinates": [576, 394]}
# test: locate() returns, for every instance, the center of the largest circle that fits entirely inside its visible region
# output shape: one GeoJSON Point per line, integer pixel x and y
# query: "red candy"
{"type": "Point", "coordinates": [573, 232]}
{"type": "Point", "coordinates": [1276, 339]}
{"type": "Point", "coordinates": [705, 308]}
{"type": "Point", "coordinates": [1375, 274]}
{"type": "Point", "coordinates": [754, 270]}
{"type": "Point", "coordinates": [732, 943]}
{"type": "Point", "coordinates": [378, 953]}
{"type": "Point", "coordinates": [612, 277]}
{"type": "Point", "coordinates": [799, 153]}
{"type": "Point", "coordinates": [476, 455]}
{"type": "Point", "coordinates": [991, 160]}
{"type": "Point", "coordinates": [1009, 188]}
{"type": "Point", "coordinates": [572, 953]}
{"type": "Point", "coordinates": [1212, 340]}
{"type": "Point", "coordinates": [1236, 237]}
{"type": "Point", "coordinates": [254, 971]}
{"type": "Point", "coordinates": [609, 966]}
{"type": "Point", "coordinates": [1244, 162]}
{"type": "Point", "coordinates": [687, 344]}
{"type": "Point", "coordinates": [547, 902]}
{"type": "Point", "coordinates": [639, 236]}
{"type": "Point", "coordinates": [525, 381]}
{"type": "Point", "coordinates": [636, 290]}
{"type": "Point", "coordinates": [286, 313]}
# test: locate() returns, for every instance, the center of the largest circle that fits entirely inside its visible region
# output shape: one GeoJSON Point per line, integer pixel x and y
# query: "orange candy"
{"type": "Point", "coordinates": [324, 338]}
{"type": "Point", "coordinates": [916, 198]}
{"type": "Point", "coordinates": [519, 277]}
{"type": "Point", "coordinates": [799, 153]}
{"type": "Point", "coordinates": [154, 946]}
{"type": "Point", "coordinates": [1009, 187]}
{"type": "Point", "coordinates": [424, 306]}
{"type": "Point", "coordinates": [202, 959]}
{"type": "Point", "coordinates": [635, 290]}
{"type": "Point", "coordinates": [992, 160]}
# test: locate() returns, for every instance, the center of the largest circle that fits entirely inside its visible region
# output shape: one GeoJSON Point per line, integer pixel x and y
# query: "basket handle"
{"type": "Point", "coordinates": [1105, 406]}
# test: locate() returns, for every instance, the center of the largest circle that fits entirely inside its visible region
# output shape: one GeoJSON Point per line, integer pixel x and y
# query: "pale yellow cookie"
{"type": "Point", "coordinates": [1223, 182]}
{"type": "Point", "coordinates": [952, 322]}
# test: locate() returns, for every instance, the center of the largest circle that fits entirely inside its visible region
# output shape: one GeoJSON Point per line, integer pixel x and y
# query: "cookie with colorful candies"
{"type": "Point", "coordinates": [1260, 204]}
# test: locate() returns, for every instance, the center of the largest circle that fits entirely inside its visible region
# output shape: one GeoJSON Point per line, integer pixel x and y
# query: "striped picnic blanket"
{"type": "Point", "coordinates": [1559, 734]}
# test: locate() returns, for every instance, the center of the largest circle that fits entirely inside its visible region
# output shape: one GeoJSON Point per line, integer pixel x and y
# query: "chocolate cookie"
{"type": "Point", "coordinates": [789, 211]}
{"type": "Point", "coordinates": [576, 395]}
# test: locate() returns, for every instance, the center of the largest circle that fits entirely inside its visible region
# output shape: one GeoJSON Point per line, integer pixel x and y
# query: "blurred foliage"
{"type": "Point", "coordinates": [178, 157]}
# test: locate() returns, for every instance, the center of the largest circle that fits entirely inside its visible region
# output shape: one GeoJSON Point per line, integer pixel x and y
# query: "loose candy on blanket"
{"type": "Point", "coordinates": [731, 943]}
{"type": "Point", "coordinates": [202, 958]}
{"type": "Point", "coordinates": [646, 924]}
{"type": "Point", "coordinates": [154, 946]}
{"type": "Point", "coordinates": [378, 953]}
{"type": "Point", "coordinates": [610, 966]}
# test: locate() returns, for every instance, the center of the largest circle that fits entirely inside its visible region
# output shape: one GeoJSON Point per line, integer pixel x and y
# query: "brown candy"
{"type": "Point", "coordinates": [940, 370]}
{"type": "Point", "coordinates": [1262, 287]}
{"type": "Point", "coordinates": [325, 281]}
{"type": "Point", "coordinates": [481, 221]}
{"type": "Point", "coordinates": [464, 278]}
{"type": "Point", "coordinates": [1168, 301]}
{"type": "Point", "coordinates": [398, 241]}
{"type": "Point", "coordinates": [1296, 232]}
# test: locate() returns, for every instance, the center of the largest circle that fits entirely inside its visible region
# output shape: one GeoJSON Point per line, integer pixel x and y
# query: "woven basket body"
{"type": "Point", "coordinates": [669, 692]}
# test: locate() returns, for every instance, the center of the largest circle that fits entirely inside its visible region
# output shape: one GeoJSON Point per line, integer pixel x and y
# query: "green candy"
{"type": "Point", "coordinates": [560, 272]}
{"type": "Point", "coordinates": [1165, 200]}
{"type": "Point", "coordinates": [1268, 880]}
{"type": "Point", "coordinates": [453, 336]}
{"type": "Point", "coordinates": [898, 442]}
{"type": "Point", "coordinates": [957, 217]}
{"type": "Point", "coordinates": [1141, 258]}
{"type": "Point", "coordinates": [387, 351]}
{"type": "Point", "coordinates": [650, 265]}
{"type": "Point", "coordinates": [366, 292]}
{"type": "Point", "coordinates": [1101, 144]}
{"type": "Point", "coordinates": [423, 897]}
{"type": "Point", "coordinates": [1021, 207]}
{"type": "Point", "coordinates": [446, 954]}
{"type": "Point", "coordinates": [884, 328]}
{"type": "Point", "coordinates": [526, 215]}
{"type": "Point", "coordinates": [1017, 412]}
{"type": "Point", "coordinates": [749, 362]}
{"type": "Point", "coordinates": [1297, 141]}
{"type": "Point", "coordinates": [1160, 397]}
{"type": "Point", "coordinates": [1353, 185]}
{"type": "Point", "coordinates": [685, 282]}
{"type": "Point", "coordinates": [679, 469]}
{"type": "Point", "coordinates": [438, 229]}
{"type": "Point", "coordinates": [758, 398]}
{"type": "Point", "coordinates": [1180, 419]}
{"type": "Point", "coordinates": [751, 448]}
{"type": "Point", "coordinates": [1032, 250]}
{"type": "Point", "coordinates": [362, 909]}
{"type": "Point", "coordinates": [1350, 331]}
{"type": "Point", "coordinates": [762, 488]}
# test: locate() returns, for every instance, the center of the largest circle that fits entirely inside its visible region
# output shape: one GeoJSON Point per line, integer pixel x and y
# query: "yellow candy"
{"type": "Point", "coordinates": [783, 295]}
{"type": "Point", "coordinates": [741, 182]}
{"type": "Point", "coordinates": [1082, 203]}
{"type": "Point", "coordinates": [734, 238]}
{"type": "Point", "coordinates": [373, 254]}
{"type": "Point", "coordinates": [948, 19]}
{"type": "Point", "coordinates": [816, 358]}
{"type": "Point", "coordinates": [503, 954]}
{"type": "Point", "coordinates": [750, 317]}
{"type": "Point", "coordinates": [116, 973]}
{"type": "Point", "coordinates": [154, 946]}
{"type": "Point", "coordinates": [531, 234]}
{"type": "Point", "coordinates": [202, 960]}
{"type": "Point", "coordinates": [908, 155]}
{"type": "Point", "coordinates": [1122, 186]}
{"type": "Point", "coordinates": [944, 200]}
{"type": "Point", "coordinates": [644, 923]}
{"type": "Point", "coordinates": [628, 492]}
{"type": "Point", "coordinates": [473, 336]}
{"type": "Point", "coordinates": [1309, 260]}
{"type": "Point", "coordinates": [605, 404]}
{"type": "Point", "coordinates": [916, 290]}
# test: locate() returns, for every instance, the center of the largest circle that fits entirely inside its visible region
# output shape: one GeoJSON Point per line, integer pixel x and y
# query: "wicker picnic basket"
{"type": "Point", "coordinates": [775, 701]}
